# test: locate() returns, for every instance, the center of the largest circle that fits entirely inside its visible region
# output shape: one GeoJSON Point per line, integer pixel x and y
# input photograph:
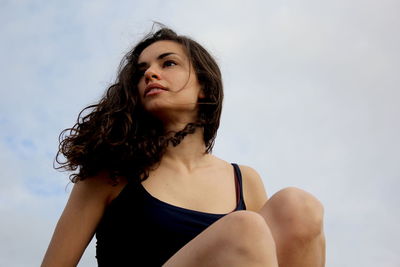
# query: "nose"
{"type": "Point", "coordinates": [151, 74]}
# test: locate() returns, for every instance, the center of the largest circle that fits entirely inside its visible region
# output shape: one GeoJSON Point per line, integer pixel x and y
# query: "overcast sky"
{"type": "Point", "coordinates": [312, 100]}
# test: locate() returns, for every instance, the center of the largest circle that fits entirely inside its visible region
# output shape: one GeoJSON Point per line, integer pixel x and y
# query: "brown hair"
{"type": "Point", "coordinates": [119, 136]}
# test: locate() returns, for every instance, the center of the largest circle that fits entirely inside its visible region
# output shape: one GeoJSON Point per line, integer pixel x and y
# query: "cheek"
{"type": "Point", "coordinates": [140, 87]}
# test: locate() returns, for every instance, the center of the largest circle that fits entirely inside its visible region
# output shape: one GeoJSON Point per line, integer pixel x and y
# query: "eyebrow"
{"type": "Point", "coordinates": [163, 55]}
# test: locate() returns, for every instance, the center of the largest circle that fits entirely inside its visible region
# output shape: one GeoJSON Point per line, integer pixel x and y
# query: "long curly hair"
{"type": "Point", "coordinates": [118, 136]}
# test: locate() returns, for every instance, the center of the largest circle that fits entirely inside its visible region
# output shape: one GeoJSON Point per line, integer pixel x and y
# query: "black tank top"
{"type": "Point", "coordinates": [138, 229]}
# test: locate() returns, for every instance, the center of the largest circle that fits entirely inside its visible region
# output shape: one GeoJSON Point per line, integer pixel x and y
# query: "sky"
{"type": "Point", "coordinates": [312, 100]}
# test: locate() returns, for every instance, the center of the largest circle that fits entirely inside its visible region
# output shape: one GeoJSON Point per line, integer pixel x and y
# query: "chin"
{"type": "Point", "coordinates": [157, 110]}
{"type": "Point", "coordinates": [156, 106]}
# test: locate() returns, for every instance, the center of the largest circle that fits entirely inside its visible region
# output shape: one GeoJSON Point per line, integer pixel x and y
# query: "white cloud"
{"type": "Point", "coordinates": [311, 100]}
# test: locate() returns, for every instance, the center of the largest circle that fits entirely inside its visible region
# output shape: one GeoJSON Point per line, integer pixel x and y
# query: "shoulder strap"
{"type": "Point", "coordinates": [239, 188]}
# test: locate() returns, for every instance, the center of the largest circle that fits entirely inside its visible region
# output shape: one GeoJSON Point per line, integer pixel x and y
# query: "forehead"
{"type": "Point", "coordinates": [160, 47]}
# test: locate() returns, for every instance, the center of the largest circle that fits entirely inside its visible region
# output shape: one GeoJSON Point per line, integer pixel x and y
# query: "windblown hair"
{"type": "Point", "coordinates": [118, 136]}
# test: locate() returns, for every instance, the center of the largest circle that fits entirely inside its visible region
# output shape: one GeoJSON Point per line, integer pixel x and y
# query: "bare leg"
{"type": "Point", "coordinates": [295, 218]}
{"type": "Point", "coordinates": [241, 238]}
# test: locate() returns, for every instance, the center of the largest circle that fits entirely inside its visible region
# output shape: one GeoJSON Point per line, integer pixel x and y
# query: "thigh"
{"type": "Point", "coordinates": [229, 242]}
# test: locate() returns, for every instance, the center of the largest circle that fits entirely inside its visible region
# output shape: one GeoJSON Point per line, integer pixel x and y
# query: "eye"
{"type": "Point", "coordinates": [169, 63]}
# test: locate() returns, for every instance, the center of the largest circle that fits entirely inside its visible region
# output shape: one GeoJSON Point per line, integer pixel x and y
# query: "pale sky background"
{"type": "Point", "coordinates": [312, 100]}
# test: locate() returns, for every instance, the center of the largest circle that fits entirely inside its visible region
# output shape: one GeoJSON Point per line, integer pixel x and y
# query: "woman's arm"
{"type": "Point", "coordinates": [79, 220]}
{"type": "Point", "coordinates": [254, 192]}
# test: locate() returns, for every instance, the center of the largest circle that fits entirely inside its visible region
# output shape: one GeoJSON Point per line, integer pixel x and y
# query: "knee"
{"type": "Point", "coordinates": [300, 213]}
{"type": "Point", "coordinates": [248, 234]}
{"type": "Point", "coordinates": [247, 224]}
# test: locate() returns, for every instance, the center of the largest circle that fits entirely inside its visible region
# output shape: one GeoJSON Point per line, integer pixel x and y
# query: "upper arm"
{"type": "Point", "coordinates": [254, 192]}
{"type": "Point", "coordinates": [78, 222]}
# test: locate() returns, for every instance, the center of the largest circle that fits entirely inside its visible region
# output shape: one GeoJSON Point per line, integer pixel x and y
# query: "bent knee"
{"type": "Point", "coordinates": [245, 227]}
{"type": "Point", "coordinates": [247, 233]}
{"type": "Point", "coordinates": [247, 222]}
{"type": "Point", "coordinates": [300, 212]}
{"type": "Point", "coordinates": [241, 236]}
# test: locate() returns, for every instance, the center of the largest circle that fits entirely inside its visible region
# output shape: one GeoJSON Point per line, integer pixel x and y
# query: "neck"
{"type": "Point", "coordinates": [188, 154]}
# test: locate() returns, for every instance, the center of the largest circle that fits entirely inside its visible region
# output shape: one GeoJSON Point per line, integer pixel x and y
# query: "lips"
{"type": "Point", "coordinates": [153, 87]}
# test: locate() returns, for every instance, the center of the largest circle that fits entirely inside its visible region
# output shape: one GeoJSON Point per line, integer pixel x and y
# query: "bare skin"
{"type": "Point", "coordinates": [285, 230]}
{"type": "Point", "coordinates": [285, 243]}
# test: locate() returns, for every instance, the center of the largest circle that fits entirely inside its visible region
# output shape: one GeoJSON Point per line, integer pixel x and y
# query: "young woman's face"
{"type": "Point", "coordinates": [169, 82]}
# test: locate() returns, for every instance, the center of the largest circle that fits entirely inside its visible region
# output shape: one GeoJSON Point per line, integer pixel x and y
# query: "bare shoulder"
{"type": "Point", "coordinates": [254, 192]}
{"type": "Point", "coordinates": [81, 215]}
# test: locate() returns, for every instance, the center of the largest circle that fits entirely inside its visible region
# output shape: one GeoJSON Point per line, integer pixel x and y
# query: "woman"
{"type": "Point", "coordinates": [149, 188]}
